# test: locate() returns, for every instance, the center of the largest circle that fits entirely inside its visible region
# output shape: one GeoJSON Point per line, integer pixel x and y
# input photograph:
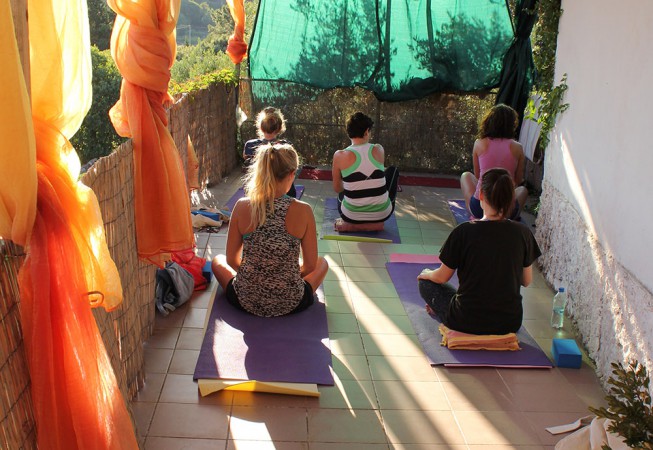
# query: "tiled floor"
{"type": "Point", "coordinates": [386, 395]}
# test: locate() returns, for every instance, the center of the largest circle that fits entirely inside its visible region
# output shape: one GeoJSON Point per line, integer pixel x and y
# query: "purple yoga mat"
{"type": "Point", "coordinates": [240, 193]}
{"type": "Point", "coordinates": [460, 211]}
{"type": "Point", "coordinates": [404, 277]}
{"type": "Point", "coordinates": [240, 346]}
{"type": "Point", "coordinates": [390, 228]}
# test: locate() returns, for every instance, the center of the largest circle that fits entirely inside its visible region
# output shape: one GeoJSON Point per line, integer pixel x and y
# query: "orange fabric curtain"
{"type": "Point", "coordinates": [17, 147]}
{"type": "Point", "coordinates": [143, 46]}
{"type": "Point", "coordinates": [236, 47]}
{"type": "Point", "coordinates": [77, 402]}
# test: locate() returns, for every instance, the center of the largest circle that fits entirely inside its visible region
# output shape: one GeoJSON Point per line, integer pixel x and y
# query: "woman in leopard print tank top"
{"type": "Point", "coordinates": [261, 272]}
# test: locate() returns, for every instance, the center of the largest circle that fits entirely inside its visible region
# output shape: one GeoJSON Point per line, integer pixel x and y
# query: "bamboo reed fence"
{"type": "Point", "coordinates": [208, 118]}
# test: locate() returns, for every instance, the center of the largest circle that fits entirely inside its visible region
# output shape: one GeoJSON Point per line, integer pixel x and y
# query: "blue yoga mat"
{"type": "Point", "coordinates": [240, 193]}
{"type": "Point", "coordinates": [390, 229]}
{"type": "Point", "coordinates": [459, 210]}
{"type": "Point", "coordinates": [240, 346]}
{"type": "Point", "coordinates": [404, 277]}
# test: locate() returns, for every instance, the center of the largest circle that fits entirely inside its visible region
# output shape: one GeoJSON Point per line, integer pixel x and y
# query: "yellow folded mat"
{"type": "Point", "coordinates": [457, 340]}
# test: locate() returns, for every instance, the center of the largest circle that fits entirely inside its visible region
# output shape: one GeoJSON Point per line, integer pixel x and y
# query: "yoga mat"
{"type": "Point", "coordinates": [240, 193]}
{"type": "Point", "coordinates": [404, 277]}
{"type": "Point", "coordinates": [241, 346]}
{"type": "Point", "coordinates": [207, 387]}
{"type": "Point", "coordinates": [410, 258]}
{"type": "Point", "coordinates": [389, 234]}
{"type": "Point", "coordinates": [459, 211]}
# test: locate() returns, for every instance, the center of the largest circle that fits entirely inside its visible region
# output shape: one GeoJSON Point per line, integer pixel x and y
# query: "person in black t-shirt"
{"type": "Point", "coordinates": [493, 257]}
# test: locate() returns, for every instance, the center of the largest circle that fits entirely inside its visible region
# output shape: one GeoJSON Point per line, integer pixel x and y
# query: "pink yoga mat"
{"type": "Point", "coordinates": [410, 258]}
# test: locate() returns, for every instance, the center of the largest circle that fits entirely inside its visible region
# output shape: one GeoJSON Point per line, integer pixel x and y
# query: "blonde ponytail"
{"type": "Point", "coordinates": [272, 163]}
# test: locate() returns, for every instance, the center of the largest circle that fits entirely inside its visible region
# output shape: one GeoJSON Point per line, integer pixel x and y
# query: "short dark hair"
{"type": "Point", "coordinates": [499, 191]}
{"type": "Point", "coordinates": [501, 122]}
{"type": "Point", "coordinates": [357, 124]}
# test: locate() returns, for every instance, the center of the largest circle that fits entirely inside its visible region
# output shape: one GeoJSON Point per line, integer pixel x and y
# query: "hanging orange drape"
{"type": "Point", "coordinates": [143, 46]}
{"type": "Point", "coordinates": [236, 46]}
{"type": "Point", "coordinates": [17, 147]}
{"type": "Point", "coordinates": [77, 402]}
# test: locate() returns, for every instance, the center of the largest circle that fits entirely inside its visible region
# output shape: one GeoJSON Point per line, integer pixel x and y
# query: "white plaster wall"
{"type": "Point", "coordinates": [596, 211]}
{"type": "Point", "coordinates": [601, 154]}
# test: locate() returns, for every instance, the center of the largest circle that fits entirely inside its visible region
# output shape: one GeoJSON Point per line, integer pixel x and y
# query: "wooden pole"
{"type": "Point", "coordinates": [19, 13]}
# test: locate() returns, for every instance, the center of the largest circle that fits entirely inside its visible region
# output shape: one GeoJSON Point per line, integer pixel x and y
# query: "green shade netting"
{"type": "Point", "coordinates": [400, 50]}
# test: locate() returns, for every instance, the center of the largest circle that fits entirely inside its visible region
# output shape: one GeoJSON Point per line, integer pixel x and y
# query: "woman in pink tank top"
{"type": "Point", "coordinates": [496, 148]}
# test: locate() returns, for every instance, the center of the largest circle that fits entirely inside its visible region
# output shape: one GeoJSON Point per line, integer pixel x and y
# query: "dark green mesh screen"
{"type": "Point", "coordinates": [399, 50]}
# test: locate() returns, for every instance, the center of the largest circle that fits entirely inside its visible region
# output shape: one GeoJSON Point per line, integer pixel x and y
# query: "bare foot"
{"type": "Point", "coordinates": [341, 225]}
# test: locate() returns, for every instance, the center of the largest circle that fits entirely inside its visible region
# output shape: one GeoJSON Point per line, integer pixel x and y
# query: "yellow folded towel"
{"type": "Point", "coordinates": [457, 340]}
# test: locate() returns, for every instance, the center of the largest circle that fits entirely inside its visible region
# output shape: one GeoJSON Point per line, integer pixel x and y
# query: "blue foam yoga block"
{"type": "Point", "coordinates": [566, 353]}
{"type": "Point", "coordinates": [206, 271]}
{"type": "Point", "coordinates": [210, 215]}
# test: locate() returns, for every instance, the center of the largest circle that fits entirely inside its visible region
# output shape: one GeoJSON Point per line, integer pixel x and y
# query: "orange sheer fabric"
{"type": "Point", "coordinates": [236, 47]}
{"type": "Point", "coordinates": [143, 46]}
{"type": "Point", "coordinates": [17, 148]}
{"type": "Point", "coordinates": [77, 402]}
{"type": "Point", "coordinates": [193, 167]}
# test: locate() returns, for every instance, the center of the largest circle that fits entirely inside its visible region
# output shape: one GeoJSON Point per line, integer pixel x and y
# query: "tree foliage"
{"type": "Point", "coordinates": [209, 55]}
{"type": "Point", "coordinates": [101, 19]}
{"type": "Point", "coordinates": [97, 137]}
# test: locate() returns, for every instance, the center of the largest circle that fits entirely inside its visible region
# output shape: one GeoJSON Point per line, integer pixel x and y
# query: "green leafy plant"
{"type": "Point", "coordinates": [96, 136]}
{"type": "Point", "coordinates": [550, 107]}
{"type": "Point", "coordinates": [629, 406]}
{"type": "Point", "coordinates": [225, 76]}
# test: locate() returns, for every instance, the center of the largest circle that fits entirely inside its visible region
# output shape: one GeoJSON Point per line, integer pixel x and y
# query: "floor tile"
{"type": "Point", "coordinates": [346, 446]}
{"type": "Point", "coordinates": [157, 360]}
{"type": "Point", "coordinates": [190, 421]}
{"type": "Point", "coordinates": [339, 305]}
{"type": "Point", "coordinates": [184, 361]}
{"type": "Point", "coordinates": [143, 413]}
{"type": "Point", "coordinates": [351, 367]}
{"type": "Point", "coordinates": [428, 427]}
{"type": "Point", "coordinates": [266, 445]}
{"type": "Point", "coordinates": [475, 396]}
{"type": "Point", "coordinates": [254, 423]}
{"type": "Point", "coordinates": [496, 427]}
{"type": "Point", "coordinates": [349, 394]}
{"type": "Point", "coordinates": [364, 260]}
{"type": "Point", "coordinates": [164, 338]}
{"type": "Point", "coordinates": [190, 339]}
{"type": "Point", "coordinates": [408, 368]}
{"type": "Point", "coordinates": [392, 345]}
{"type": "Point", "coordinates": [368, 306]}
{"type": "Point", "coordinates": [183, 389]}
{"type": "Point", "coordinates": [372, 290]}
{"type": "Point", "coordinates": [346, 344]}
{"type": "Point", "coordinates": [384, 324]}
{"type": "Point", "coordinates": [547, 397]}
{"type": "Point", "coordinates": [161, 443]}
{"type": "Point", "coordinates": [343, 425]}
{"type": "Point", "coordinates": [414, 395]}
{"type": "Point", "coordinates": [342, 323]}
{"type": "Point", "coordinates": [195, 318]}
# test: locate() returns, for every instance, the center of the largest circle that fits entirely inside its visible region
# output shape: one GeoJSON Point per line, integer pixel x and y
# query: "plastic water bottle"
{"type": "Point", "coordinates": [558, 313]}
